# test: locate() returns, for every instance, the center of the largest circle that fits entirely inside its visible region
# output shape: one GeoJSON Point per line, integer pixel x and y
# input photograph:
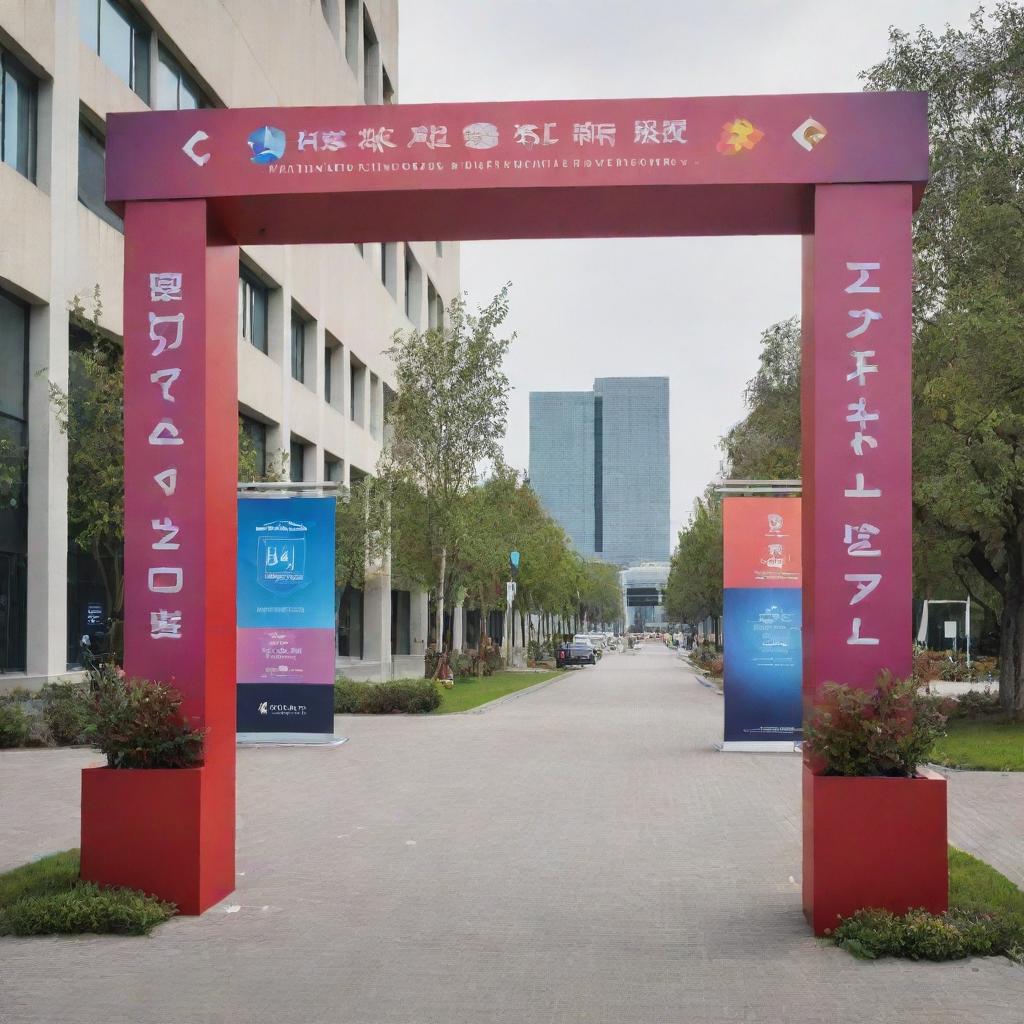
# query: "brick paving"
{"type": "Point", "coordinates": [577, 854]}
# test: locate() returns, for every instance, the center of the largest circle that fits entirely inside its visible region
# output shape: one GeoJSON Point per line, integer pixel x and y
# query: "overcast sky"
{"type": "Point", "coordinates": [691, 309]}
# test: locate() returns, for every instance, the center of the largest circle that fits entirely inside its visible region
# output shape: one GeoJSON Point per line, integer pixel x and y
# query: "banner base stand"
{"type": "Point", "coordinates": [759, 746]}
{"type": "Point", "coordinates": [289, 739]}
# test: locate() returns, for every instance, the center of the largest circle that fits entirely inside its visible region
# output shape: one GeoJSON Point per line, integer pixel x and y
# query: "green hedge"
{"type": "Point", "coordinates": [408, 696]}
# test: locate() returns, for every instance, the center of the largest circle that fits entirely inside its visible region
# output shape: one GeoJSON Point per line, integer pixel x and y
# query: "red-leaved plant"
{"type": "Point", "coordinates": [138, 724]}
{"type": "Point", "coordinates": [886, 731]}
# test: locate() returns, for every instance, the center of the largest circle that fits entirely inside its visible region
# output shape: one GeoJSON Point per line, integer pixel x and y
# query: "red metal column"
{"type": "Point", "coordinates": [172, 832]}
{"type": "Point", "coordinates": [857, 517]}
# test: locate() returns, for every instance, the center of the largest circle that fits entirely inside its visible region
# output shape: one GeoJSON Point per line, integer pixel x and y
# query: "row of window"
{"type": "Point", "coordinates": [377, 86]}
{"type": "Point", "coordinates": [123, 41]}
{"type": "Point", "coordinates": [298, 451]}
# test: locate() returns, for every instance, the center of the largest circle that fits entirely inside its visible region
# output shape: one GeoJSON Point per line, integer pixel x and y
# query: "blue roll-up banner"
{"type": "Point", "coordinates": [286, 638]}
{"type": "Point", "coordinates": [762, 611]}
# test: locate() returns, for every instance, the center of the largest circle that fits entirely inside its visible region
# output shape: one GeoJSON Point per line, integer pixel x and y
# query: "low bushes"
{"type": "Point", "coordinates": [15, 727]}
{"type": "Point", "coordinates": [708, 659]}
{"type": "Point", "coordinates": [59, 714]}
{"type": "Point", "coordinates": [402, 696]}
{"type": "Point", "coordinates": [466, 664]}
{"type": "Point", "coordinates": [952, 668]}
{"type": "Point", "coordinates": [47, 897]}
{"type": "Point", "coordinates": [985, 918]}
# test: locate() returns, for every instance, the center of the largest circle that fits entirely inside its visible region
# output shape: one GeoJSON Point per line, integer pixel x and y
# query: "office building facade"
{"type": "Point", "coordinates": [313, 323]}
{"type": "Point", "coordinates": [599, 462]}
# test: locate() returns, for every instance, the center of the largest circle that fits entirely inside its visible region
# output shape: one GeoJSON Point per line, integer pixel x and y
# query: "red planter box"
{"type": "Point", "coordinates": [873, 842]}
{"type": "Point", "coordinates": [168, 832]}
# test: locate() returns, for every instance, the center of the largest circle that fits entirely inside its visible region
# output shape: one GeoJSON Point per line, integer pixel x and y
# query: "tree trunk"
{"type": "Point", "coordinates": [440, 600]}
{"type": "Point", "coordinates": [1011, 640]}
{"type": "Point", "coordinates": [481, 638]}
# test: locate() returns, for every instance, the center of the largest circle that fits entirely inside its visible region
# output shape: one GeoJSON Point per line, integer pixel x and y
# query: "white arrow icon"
{"type": "Point", "coordinates": [189, 148]}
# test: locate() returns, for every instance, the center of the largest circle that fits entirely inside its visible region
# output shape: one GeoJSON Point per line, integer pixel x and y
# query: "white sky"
{"type": "Point", "coordinates": [692, 309]}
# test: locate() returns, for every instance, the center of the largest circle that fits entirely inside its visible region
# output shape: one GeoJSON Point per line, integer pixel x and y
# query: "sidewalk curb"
{"type": "Point", "coordinates": [481, 708]}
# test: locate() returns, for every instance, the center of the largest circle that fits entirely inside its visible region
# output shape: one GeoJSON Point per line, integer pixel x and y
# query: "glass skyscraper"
{"type": "Point", "coordinates": [599, 462]}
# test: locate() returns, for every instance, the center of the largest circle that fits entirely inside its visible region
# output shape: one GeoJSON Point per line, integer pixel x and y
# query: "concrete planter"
{"type": "Point", "coordinates": [873, 842]}
{"type": "Point", "coordinates": [158, 830]}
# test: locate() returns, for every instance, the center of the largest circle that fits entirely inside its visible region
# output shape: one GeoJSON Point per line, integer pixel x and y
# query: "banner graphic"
{"type": "Point", "coordinates": [763, 670]}
{"type": "Point", "coordinates": [286, 638]}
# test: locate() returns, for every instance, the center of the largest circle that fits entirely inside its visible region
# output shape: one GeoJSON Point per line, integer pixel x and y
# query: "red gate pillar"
{"type": "Point", "coordinates": [172, 832]}
{"type": "Point", "coordinates": [857, 591]}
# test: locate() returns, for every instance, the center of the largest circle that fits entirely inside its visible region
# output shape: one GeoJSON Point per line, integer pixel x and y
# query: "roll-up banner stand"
{"type": "Point", "coordinates": [762, 643]}
{"type": "Point", "coordinates": [286, 638]}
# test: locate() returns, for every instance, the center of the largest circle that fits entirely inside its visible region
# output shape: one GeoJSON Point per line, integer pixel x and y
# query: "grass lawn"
{"type": "Point", "coordinates": [983, 744]}
{"type": "Point", "coordinates": [471, 693]}
{"type": "Point", "coordinates": [46, 897]}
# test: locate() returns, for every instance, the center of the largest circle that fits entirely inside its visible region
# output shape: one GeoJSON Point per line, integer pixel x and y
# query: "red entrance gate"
{"type": "Point", "coordinates": [842, 170]}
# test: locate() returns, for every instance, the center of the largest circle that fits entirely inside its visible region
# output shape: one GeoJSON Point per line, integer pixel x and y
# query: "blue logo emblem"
{"type": "Point", "coordinates": [267, 145]}
{"type": "Point", "coordinates": [281, 556]}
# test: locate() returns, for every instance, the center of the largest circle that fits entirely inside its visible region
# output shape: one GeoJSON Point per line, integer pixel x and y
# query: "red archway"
{"type": "Point", "coordinates": [844, 171]}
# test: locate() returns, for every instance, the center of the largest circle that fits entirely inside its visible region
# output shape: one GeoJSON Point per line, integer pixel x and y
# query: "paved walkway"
{"type": "Point", "coordinates": [578, 854]}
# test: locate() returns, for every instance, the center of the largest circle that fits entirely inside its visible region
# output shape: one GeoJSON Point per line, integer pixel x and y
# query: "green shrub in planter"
{"type": "Point", "coordinates": [15, 728]}
{"type": "Point", "coordinates": [67, 711]}
{"type": "Point", "coordinates": [138, 723]}
{"type": "Point", "coordinates": [887, 731]}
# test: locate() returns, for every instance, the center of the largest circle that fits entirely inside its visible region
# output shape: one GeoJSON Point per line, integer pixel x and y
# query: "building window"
{"type": "Point", "coordinates": [298, 347]}
{"type": "Point", "coordinates": [413, 286]}
{"type": "Point", "coordinates": [376, 401]}
{"type": "Point", "coordinates": [401, 619]}
{"type": "Point", "coordinates": [14, 317]}
{"type": "Point", "coordinates": [334, 371]}
{"type": "Point", "coordinates": [433, 303]}
{"type": "Point", "coordinates": [175, 89]}
{"type": "Point", "coordinates": [92, 157]}
{"type": "Point", "coordinates": [334, 468]}
{"type": "Point", "coordinates": [352, 33]}
{"type": "Point", "coordinates": [388, 90]}
{"type": "Point", "coordinates": [439, 249]}
{"type": "Point", "coordinates": [253, 309]}
{"type": "Point", "coordinates": [296, 459]}
{"type": "Point", "coordinates": [256, 432]}
{"type": "Point", "coordinates": [120, 38]}
{"type": "Point", "coordinates": [371, 63]}
{"type": "Point", "coordinates": [18, 91]}
{"type": "Point", "coordinates": [357, 391]}
{"type": "Point", "coordinates": [389, 267]}
{"type": "Point", "coordinates": [350, 623]}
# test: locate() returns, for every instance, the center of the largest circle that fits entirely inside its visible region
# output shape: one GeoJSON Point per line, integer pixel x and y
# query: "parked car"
{"type": "Point", "coordinates": [579, 652]}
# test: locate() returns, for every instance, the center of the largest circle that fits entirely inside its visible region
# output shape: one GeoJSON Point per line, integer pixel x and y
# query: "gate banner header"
{"type": "Point", "coordinates": [805, 139]}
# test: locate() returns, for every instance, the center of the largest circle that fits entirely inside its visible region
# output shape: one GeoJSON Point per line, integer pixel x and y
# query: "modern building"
{"type": "Point", "coordinates": [643, 597]}
{"type": "Point", "coordinates": [313, 323]}
{"type": "Point", "coordinates": [599, 462]}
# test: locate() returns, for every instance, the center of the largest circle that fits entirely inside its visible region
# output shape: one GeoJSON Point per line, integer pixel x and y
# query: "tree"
{"type": "Point", "coordinates": [694, 588]}
{"type": "Point", "coordinates": [765, 444]}
{"type": "Point", "coordinates": [969, 309]}
{"type": "Point", "coordinates": [91, 414]}
{"type": "Point", "coordinates": [447, 420]}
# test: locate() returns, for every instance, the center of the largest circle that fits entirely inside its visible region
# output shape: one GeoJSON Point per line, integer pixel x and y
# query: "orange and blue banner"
{"type": "Point", "coordinates": [761, 569]}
